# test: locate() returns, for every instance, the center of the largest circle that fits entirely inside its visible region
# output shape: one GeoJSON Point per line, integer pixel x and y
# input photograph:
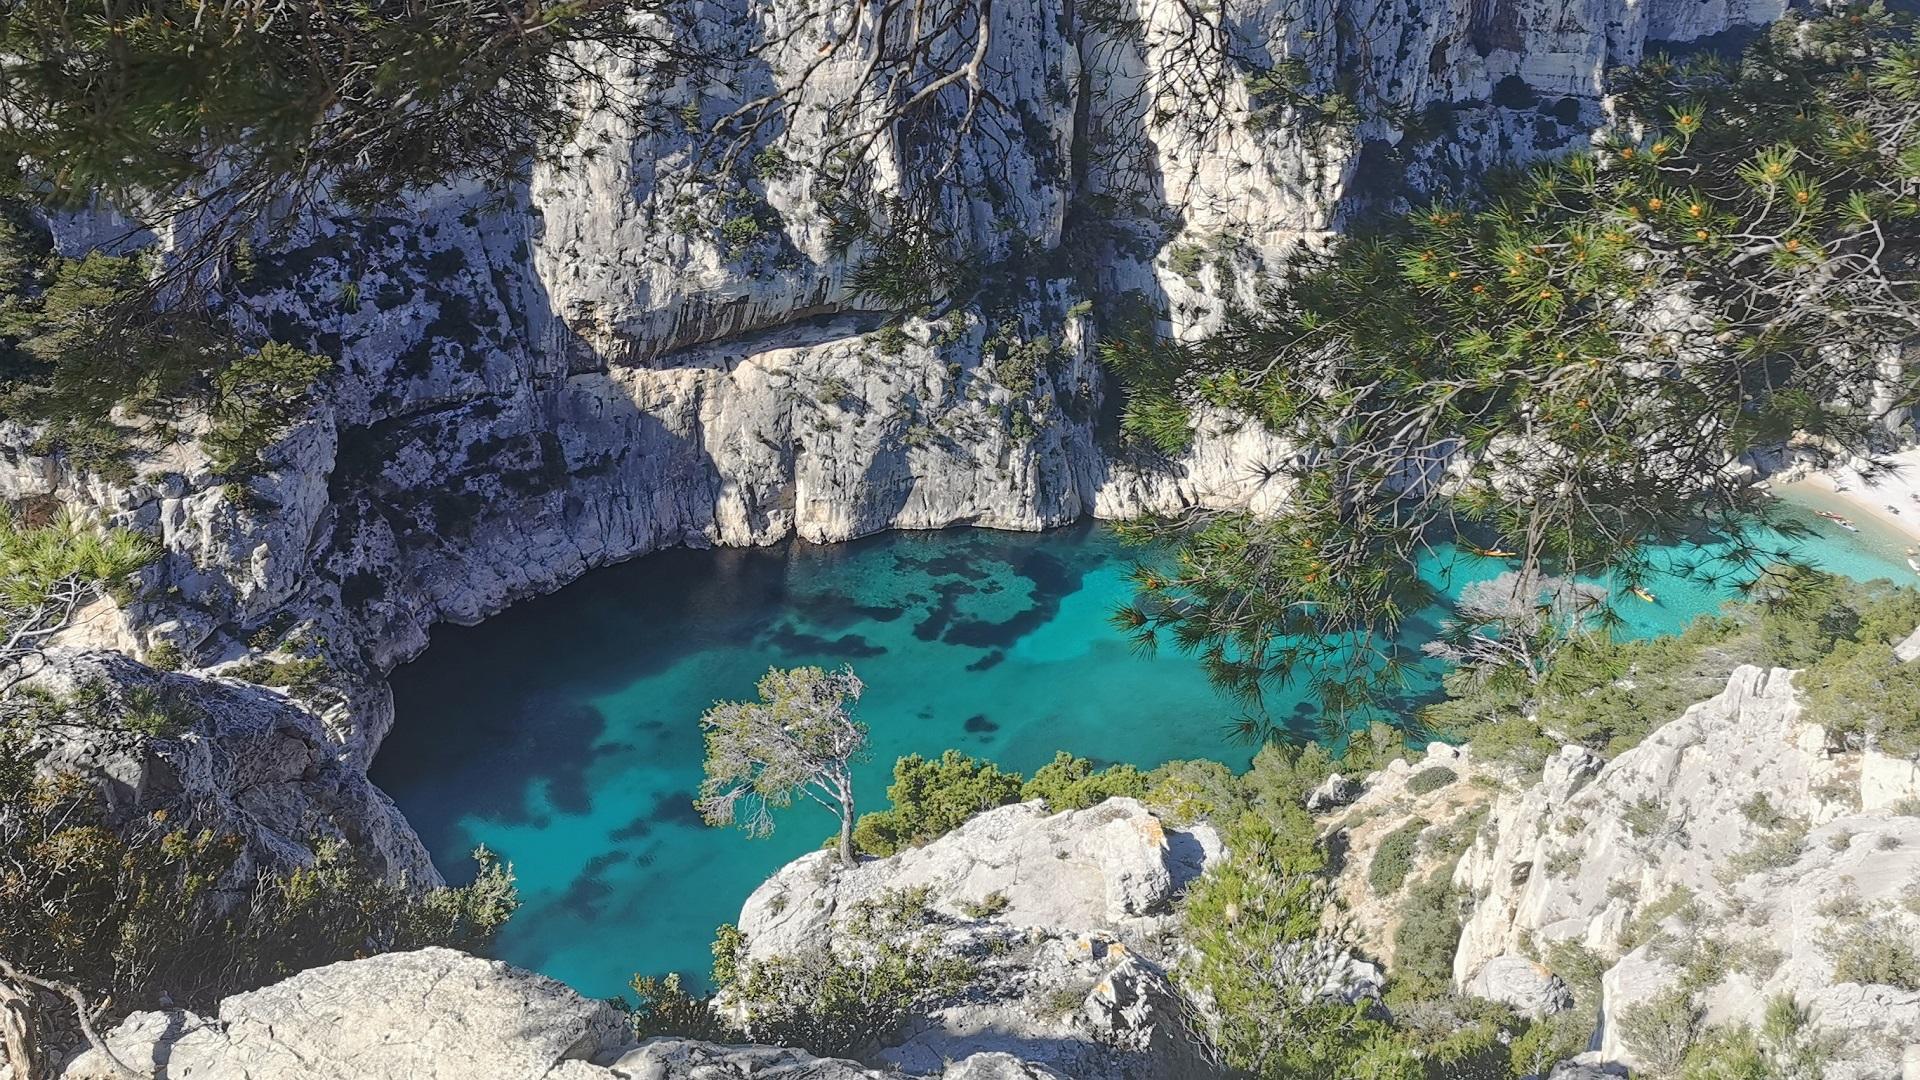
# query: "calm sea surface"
{"type": "Point", "coordinates": [563, 732]}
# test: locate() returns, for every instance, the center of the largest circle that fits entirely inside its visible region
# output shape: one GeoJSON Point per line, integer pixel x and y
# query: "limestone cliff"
{"type": "Point", "coordinates": [632, 350]}
{"type": "Point", "coordinates": [1731, 858]}
{"type": "Point", "coordinates": [1732, 841]}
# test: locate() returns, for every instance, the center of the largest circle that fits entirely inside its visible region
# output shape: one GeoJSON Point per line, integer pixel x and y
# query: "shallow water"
{"type": "Point", "coordinates": [563, 732]}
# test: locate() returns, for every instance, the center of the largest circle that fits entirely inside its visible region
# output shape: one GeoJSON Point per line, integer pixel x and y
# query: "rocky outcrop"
{"type": "Point", "coordinates": [1113, 869]}
{"type": "Point", "coordinates": [1437, 800]}
{"type": "Point", "coordinates": [1065, 917]}
{"type": "Point", "coordinates": [1525, 986]}
{"type": "Point", "coordinates": [208, 753]}
{"type": "Point", "coordinates": [435, 1013]}
{"type": "Point", "coordinates": [1729, 859]}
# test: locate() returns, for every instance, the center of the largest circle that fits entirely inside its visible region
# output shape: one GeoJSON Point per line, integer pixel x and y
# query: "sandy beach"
{"type": "Point", "coordinates": [1892, 499]}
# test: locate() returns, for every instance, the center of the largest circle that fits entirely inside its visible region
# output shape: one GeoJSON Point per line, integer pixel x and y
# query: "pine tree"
{"type": "Point", "coordinates": [1566, 372]}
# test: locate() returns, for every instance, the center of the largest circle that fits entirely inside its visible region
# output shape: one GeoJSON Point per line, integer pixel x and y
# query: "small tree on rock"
{"type": "Point", "coordinates": [800, 738]}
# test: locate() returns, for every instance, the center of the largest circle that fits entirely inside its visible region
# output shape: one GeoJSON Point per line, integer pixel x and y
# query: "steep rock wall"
{"type": "Point", "coordinates": [625, 353]}
{"type": "Point", "coordinates": [1730, 853]}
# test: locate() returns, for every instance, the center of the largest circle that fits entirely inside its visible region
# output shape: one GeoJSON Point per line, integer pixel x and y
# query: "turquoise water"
{"type": "Point", "coordinates": [563, 732]}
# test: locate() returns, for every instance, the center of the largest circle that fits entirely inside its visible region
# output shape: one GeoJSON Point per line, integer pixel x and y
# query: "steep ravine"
{"type": "Point", "coordinates": [537, 382]}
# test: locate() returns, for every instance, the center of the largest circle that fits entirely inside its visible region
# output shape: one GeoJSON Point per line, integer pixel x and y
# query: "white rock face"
{"type": "Point", "coordinates": [535, 383]}
{"type": "Point", "coordinates": [435, 1014]}
{"type": "Point", "coordinates": [1527, 986]}
{"type": "Point", "coordinates": [1113, 868]}
{"type": "Point", "coordinates": [1069, 980]}
{"type": "Point", "coordinates": [1731, 842]}
{"type": "Point", "coordinates": [246, 761]}
{"type": "Point", "coordinates": [628, 354]}
{"type": "Point", "coordinates": [1444, 808]}
{"type": "Point", "coordinates": [1066, 917]}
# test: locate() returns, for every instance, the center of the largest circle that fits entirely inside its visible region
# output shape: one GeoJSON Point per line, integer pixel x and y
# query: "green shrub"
{"type": "Point", "coordinates": [1393, 859]}
{"type": "Point", "coordinates": [986, 907]}
{"type": "Point", "coordinates": [1777, 849]}
{"type": "Point", "coordinates": [1877, 951]}
{"type": "Point", "coordinates": [931, 799]}
{"type": "Point", "coordinates": [1679, 900]}
{"type": "Point", "coordinates": [1760, 810]}
{"type": "Point", "coordinates": [1660, 1030]}
{"type": "Point", "coordinates": [1863, 694]}
{"type": "Point", "coordinates": [740, 233]}
{"type": "Point", "coordinates": [254, 401]}
{"type": "Point", "coordinates": [1645, 817]}
{"type": "Point", "coordinates": [1431, 779]}
{"type": "Point", "coordinates": [1787, 1047]}
{"type": "Point", "coordinates": [664, 1007]}
{"type": "Point", "coordinates": [142, 913]}
{"type": "Point", "coordinates": [165, 656]}
{"type": "Point", "coordinates": [88, 340]}
{"type": "Point", "coordinates": [1580, 968]}
{"type": "Point", "coordinates": [1546, 1043]}
{"type": "Point", "coordinates": [891, 339]}
{"type": "Point", "coordinates": [1071, 783]}
{"type": "Point", "coordinates": [1267, 1018]}
{"type": "Point", "coordinates": [882, 966]}
{"type": "Point", "coordinates": [1187, 791]}
{"type": "Point", "coordinates": [1283, 774]}
{"type": "Point", "coordinates": [300, 676]}
{"type": "Point", "coordinates": [1424, 945]}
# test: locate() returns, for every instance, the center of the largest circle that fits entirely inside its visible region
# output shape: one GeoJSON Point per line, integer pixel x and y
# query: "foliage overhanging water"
{"type": "Point", "coordinates": [562, 733]}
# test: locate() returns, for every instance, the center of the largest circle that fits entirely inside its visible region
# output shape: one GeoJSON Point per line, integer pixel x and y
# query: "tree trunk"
{"type": "Point", "coordinates": [19, 1025]}
{"type": "Point", "coordinates": [846, 834]}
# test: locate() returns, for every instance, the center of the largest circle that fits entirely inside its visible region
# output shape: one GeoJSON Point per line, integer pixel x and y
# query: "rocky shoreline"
{"type": "Point", "coordinates": [535, 383]}
{"type": "Point", "coordinates": [1073, 954]}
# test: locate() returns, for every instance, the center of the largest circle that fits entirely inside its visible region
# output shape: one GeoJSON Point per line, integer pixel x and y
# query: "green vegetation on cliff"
{"type": "Point", "coordinates": [89, 355]}
{"type": "Point", "coordinates": [248, 104]}
{"type": "Point", "coordinates": [103, 905]}
{"type": "Point", "coordinates": [1607, 695]}
{"type": "Point", "coordinates": [1568, 370]}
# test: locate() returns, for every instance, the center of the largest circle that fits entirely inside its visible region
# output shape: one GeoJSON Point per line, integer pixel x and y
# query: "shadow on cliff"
{"type": "Point", "coordinates": [1110, 243]}
{"type": "Point", "coordinates": [547, 465]}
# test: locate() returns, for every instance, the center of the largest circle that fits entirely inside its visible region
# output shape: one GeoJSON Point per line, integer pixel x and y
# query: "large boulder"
{"type": "Point", "coordinates": [1115, 868]}
{"type": "Point", "coordinates": [1065, 918]}
{"type": "Point", "coordinates": [234, 758]}
{"type": "Point", "coordinates": [1525, 985]}
{"type": "Point", "coordinates": [434, 1014]}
